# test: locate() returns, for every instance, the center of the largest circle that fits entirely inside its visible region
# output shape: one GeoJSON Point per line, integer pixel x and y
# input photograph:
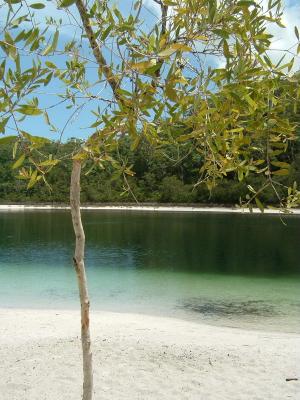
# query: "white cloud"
{"type": "Point", "coordinates": [285, 38]}
{"type": "Point", "coordinates": [153, 6]}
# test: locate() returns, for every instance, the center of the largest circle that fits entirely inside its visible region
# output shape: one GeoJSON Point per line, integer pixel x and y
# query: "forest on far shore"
{"type": "Point", "coordinates": [165, 175]}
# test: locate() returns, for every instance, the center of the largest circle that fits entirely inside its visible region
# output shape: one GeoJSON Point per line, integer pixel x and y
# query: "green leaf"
{"type": "Point", "coordinates": [259, 204]}
{"type": "Point", "coordinates": [280, 164]}
{"type": "Point", "coordinates": [250, 101]}
{"type": "Point", "coordinates": [52, 47]}
{"type": "Point", "coordinates": [171, 93]}
{"type": "Point", "coordinates": [201, 37]}
{"type": "Point", "coordinates": [169, 3]}
{"type": "Point", "coordinates": [46, 117]}
{"type": "Point", "coordinates": [37, 6]}
{"type": "Point", "coordinates": [3, 123]}
{"type": "Point", "coordinates": [118, 15]}
{"type": "Point", "coordinates": [173, 49]}
{"type": "Point", "coordinates": [66, 3]}
{"type": "Point", "coordinates": [246, 3]}
{"type": "Point", "coordinates": [251, 189]}
{"type": "Point", "coordinates": [212, 7]}
{"type": "Point", "coordinates": [137, 4]}
{"type": "Point", "coordinates": [48, 79]}
{"type": "Point", "coordinates": [19, 162]}
{"type": "Point", "coordinates": [37, 140]}
{"type": "Point", "coordinates": [268, 61]}
{"type": "Point", "coordinates": [11, 48]}
{"type": "Point", "coordinates": [48, 163]}
{"type": "Point", "coordinates": [20, 36]}
{"type": "Point", "coordinates": [226, 49]}
{"type": "Point", "coordinates": [106, 32]}
{"type": "Point", "coordinates": [143, 66]}
{"type": "Point", "coordinates": [29, 110]}
{"type": "Point", "coordinates": [15, 148]}
{"type": "Point", "coordinates": [281, 172]}
{"type": "Point", "coordinates": [240, 175]}
{"type": "Point", "coordinates": [262, 36]}
{"type": "Point", "coordinates": [32, 180]}
{"type": "Point", "coordinates": [50, 64]}
{"type": "Point", "coordinates": [2, 69]}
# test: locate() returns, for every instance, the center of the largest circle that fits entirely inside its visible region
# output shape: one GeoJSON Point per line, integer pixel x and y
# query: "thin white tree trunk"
{"type": "Point", "coordinates": [82, 282]}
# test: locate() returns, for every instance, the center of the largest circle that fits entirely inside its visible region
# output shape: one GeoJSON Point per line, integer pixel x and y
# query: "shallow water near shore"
{"type": "Point", "coordinates": [223, 269]}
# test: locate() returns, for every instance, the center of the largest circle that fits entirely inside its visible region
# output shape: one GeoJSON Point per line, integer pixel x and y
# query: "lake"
{"type": "Point", "coordinates": [224, 269]}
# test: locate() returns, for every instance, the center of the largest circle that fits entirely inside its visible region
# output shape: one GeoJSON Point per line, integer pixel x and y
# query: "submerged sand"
{"type": "Point", "coordinates": [143, 357]}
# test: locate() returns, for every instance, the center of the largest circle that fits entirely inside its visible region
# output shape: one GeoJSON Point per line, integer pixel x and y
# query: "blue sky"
{"type": "Point", "coordinates": [78, 119]}
{"type": "Point", "coordinates": [82, 118]}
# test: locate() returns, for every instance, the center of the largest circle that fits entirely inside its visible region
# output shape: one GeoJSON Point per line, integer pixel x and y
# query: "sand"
{"type": "Point", "coordinates": [143, 357]}
{"type": "Point", "coordinates": [158, 208]}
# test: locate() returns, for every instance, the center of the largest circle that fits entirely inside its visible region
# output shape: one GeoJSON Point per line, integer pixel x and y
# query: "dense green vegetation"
{"type": "Point", "coordinates": [165, 175]}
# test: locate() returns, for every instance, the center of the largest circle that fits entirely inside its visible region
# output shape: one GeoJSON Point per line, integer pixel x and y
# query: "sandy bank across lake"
{"type": "Point", "coordinates": [146, 208]}
{"type": "Point", "coordinates": [143, 357]}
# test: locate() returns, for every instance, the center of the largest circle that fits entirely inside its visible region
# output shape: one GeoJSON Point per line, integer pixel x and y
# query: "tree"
{"type": "Point", "coordinates": [156, 79]}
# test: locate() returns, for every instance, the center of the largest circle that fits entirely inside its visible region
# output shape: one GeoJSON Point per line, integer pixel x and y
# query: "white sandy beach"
{"type": "Point", "coordinates": [158, 208]}
{"type": "Point", "coordinates": [143, 357]}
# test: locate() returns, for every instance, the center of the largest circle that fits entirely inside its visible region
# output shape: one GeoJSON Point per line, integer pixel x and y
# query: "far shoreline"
{"type": "Point", "coordinates": [150, 208]}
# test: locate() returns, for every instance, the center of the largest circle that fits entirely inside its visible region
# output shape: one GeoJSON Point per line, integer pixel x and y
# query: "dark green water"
{"type": "Point", "coordinates": [235, 270]}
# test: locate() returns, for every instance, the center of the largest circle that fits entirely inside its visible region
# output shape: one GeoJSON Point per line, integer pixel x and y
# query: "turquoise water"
{"type": "Point", "coordinates": [224, 269]}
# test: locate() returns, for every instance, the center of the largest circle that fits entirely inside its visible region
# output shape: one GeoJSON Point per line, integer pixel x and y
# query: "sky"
{"type": "Point", "coordinates": [285, 38]}
{"type": "Point", "coordinates": [78, 123]}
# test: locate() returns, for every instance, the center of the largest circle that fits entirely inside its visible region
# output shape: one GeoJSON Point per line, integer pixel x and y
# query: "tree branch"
{"type": "Point", "coordinates": [107, 71]}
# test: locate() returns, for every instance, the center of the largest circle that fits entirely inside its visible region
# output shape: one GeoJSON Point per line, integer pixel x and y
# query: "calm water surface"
{"type": "Point", "coordinates": [232, 270]}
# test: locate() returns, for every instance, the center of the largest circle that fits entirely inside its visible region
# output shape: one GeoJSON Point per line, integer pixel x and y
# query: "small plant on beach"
{"type": "Point", "coordinates": [185, 72]}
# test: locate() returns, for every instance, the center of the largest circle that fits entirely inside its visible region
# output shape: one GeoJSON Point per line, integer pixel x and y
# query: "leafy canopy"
{"type": "Point", "coordinates": [197, 71]}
